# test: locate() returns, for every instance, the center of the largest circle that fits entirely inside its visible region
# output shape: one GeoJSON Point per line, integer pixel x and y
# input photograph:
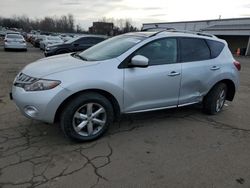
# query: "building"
{"type": "Point", "coordinates": [235, 31]}
{"type": "Point", "coordinates": [102, 28]}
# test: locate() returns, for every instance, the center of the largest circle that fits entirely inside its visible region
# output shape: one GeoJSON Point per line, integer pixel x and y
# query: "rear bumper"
{"type": "Point", "coordinates": [15, 46]}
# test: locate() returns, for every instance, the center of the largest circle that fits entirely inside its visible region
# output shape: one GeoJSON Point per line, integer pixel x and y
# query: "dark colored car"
{"type": "Point", "coordinates": [37, 40]}
{"type": "Point", "coordinates": [76, 44]}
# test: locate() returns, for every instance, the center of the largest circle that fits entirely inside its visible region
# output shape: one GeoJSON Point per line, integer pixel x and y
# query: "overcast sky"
{"type": "Point", "coordinates": [140, 11]}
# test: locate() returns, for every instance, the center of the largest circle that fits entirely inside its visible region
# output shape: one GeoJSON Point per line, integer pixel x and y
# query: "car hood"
{"type": "Point", "coordinates": [56, 42]}
{"type": "Point", "coordinates": [54, 64]}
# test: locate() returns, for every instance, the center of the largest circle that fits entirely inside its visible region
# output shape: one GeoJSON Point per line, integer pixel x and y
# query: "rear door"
{"type": "Point", "coordinates": [156, 86]}
{"type": "Point", "coordinates": [199, 70]}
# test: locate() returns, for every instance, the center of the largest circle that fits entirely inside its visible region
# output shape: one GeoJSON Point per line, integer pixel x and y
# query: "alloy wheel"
{"type": "Point", "coordinates": [89, 119]}
{"type": "Point", "coordinates": [221, 100]}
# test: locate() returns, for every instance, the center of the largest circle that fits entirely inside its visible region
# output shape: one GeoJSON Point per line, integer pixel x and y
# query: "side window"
{"type": "Point", "coordinates": [90, 40]}
{"type": "Point", "coordinates": [215, 47]}
{"type": "Point", "coordinates": [96, 40]}
{"type": "Point", "coordinates": [163, 51]}
{"type": "Point", "coordinates": [84, 40]}
{"type": "Point", "coordinates": [193, 49]}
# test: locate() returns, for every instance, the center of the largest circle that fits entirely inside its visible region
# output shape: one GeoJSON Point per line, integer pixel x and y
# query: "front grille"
{"type": "Point", "coordinates": [24, 79]}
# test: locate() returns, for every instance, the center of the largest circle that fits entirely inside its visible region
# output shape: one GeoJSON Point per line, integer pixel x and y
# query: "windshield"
{"type": "Point", "coordinates": [14, 36]}
{"type": "Point", "coordinates": [72, 40]}
{"type": "Point", "coordinates": [111, 48]}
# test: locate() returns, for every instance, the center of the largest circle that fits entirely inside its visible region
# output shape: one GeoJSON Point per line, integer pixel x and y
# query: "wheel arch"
{"type": "Point", "coordinates": [230, 88]}
{"type": "Point", "coordinates": [109, 96]}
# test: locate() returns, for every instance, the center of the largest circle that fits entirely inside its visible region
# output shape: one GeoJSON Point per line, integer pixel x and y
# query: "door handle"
{"type": "Point", "coordinates": [173, 73]}
{"type": "Point", "coordinates": [214, 68]}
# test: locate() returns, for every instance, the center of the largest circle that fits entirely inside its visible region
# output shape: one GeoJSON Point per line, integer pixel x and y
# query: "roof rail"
{"type": "Point", "coordinates": [206, 34]}
{"type": "Point", "coordinates": [161, 30]}
{"type": "Point", "coordinates": [180, 31]}
{"type": "Point", "coordinates": [195, 32]}
{"type": "Point", "coordinates": [158, 28]}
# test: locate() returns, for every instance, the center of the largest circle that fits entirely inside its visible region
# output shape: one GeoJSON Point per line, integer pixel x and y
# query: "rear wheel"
{"type": "Point", "coordinates": [215, 99]}
{"type": "Point", "coordinates": [86, 117]}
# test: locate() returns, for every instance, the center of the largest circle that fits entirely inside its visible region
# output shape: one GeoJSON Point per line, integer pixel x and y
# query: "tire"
{"type": "Point", "coordinates": [215, 99]}
{"type": "Point", "coordinates": [78, 117]}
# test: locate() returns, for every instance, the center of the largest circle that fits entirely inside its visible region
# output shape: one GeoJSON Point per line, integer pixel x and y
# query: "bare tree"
{"type": "Point", "coordinates": [120, 25]}
{"type": "Point", "coordinates": [65, 23]}
{"type": "Point", "coordinates": [71, 22]}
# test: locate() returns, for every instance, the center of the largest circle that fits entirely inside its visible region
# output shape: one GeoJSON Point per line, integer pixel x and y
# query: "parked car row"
{"type": "Point", "coordinates": [51, 44]}
{"type": "Point", "coordinates": [59, 44]}
{"type": "Point", "coordinates": [75, 44]}
{"type": "Point", "coordinates": [42, 40]}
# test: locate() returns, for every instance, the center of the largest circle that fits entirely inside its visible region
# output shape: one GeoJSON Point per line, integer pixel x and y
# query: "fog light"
{"type": "Point", "coordinates": [31, 111]}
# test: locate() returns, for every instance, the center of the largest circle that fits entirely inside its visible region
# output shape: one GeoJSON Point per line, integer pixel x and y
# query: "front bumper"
{"type": "Point", "coordinates": [39, 105]}
{"type": "Point", "coordinates": [49, 53]}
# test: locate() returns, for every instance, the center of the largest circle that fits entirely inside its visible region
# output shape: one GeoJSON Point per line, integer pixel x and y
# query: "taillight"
{"type": "Point", "coordinates": [237, 65]}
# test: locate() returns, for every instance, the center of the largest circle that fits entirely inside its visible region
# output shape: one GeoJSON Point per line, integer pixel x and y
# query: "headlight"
{"type": "Point", "coordinates": [41, 85]}
{"type": "Point", "coordinates": [51, 47]}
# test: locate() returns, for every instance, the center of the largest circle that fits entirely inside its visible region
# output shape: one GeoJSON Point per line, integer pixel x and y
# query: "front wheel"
{"type": "Point", "coordinates": [215, 99]}
{"type": "Point", "coordinates": [86, 117]}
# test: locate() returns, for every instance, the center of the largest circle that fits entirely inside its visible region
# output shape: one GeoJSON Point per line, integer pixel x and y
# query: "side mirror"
{"type": "Point", "coordinates": [139, 61]}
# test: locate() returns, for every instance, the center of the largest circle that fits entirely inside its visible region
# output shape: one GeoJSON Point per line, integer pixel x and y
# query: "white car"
{"type": "Point", "coordinates": [50, 40]}
{"type": "Point", "coordinates": [14, 41]}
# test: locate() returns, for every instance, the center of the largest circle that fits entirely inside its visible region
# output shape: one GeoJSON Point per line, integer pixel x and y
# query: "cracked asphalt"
{"type": "Point", "coordinates": [169, 148]}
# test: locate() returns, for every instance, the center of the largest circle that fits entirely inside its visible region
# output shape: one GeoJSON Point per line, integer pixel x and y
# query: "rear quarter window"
{"type": "Point", "coordinates": [194, 49]}
{"type": "Point", "coordinates": [215, 47]}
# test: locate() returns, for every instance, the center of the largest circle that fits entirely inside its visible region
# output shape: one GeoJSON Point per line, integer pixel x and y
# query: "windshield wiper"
{"type": "Point", "coordinates": [79, 56]}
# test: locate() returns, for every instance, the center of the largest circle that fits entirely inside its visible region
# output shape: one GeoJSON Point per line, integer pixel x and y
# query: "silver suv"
{"type": "Point", "coordinates": [130, 73]}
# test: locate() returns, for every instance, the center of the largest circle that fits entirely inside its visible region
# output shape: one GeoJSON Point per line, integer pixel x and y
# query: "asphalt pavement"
{"type": "Point", "coordinates": [169, 148]}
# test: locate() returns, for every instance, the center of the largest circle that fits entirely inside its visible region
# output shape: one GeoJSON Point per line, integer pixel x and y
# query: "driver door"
{"type": "Point", "coordinates": [158, 85]}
